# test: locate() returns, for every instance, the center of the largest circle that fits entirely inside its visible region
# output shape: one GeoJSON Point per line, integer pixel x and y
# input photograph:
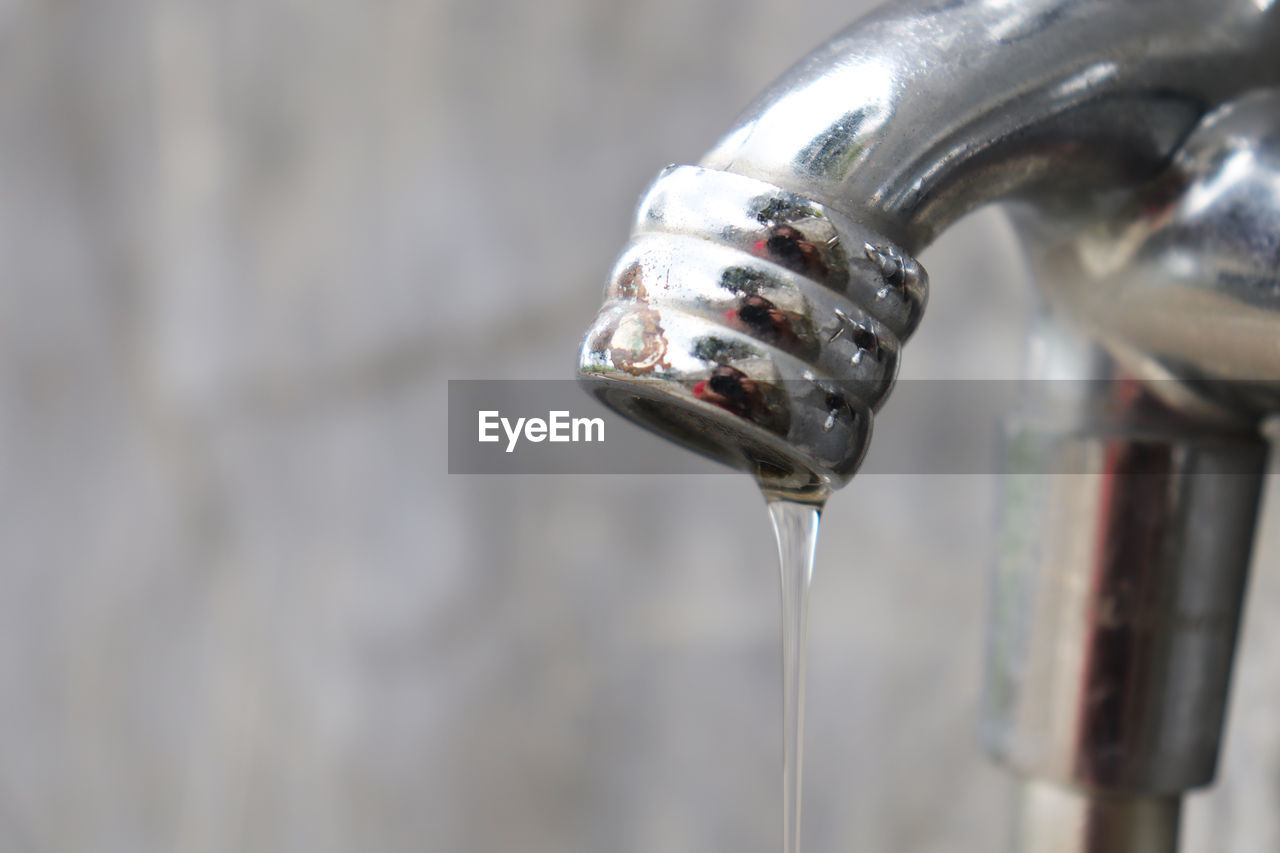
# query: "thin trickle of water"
{"type": "Point", "coordinates": [795, 523]}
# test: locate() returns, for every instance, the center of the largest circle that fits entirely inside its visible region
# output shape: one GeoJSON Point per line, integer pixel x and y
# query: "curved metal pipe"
{"type": "Point", "coordinates": [923, 111]}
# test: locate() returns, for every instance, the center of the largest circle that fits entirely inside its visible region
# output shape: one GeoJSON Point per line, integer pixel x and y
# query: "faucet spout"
{"type": "Point", "coordinates": [759, 311]}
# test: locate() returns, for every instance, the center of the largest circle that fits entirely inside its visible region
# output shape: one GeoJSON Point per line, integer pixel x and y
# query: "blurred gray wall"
{"type": "Point", "coordinates": [243, 245]}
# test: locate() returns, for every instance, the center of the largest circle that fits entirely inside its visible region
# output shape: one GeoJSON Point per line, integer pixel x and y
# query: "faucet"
{"type": "Point", "coordinates": [759, 312]}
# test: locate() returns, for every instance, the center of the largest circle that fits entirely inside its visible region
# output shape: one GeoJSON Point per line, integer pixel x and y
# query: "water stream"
{"type": "Point", "coordinates": [795, 523]}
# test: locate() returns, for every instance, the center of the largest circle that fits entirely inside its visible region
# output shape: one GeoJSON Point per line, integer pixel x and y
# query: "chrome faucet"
{"type": "Point", "coordinates": [759, 312]}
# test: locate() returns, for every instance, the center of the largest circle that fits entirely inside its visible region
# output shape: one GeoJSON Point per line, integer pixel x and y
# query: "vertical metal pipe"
{"type": "Point", "coordinates": [1054, 819]}
{"type": "Point", "coordinates": [1126, 535]}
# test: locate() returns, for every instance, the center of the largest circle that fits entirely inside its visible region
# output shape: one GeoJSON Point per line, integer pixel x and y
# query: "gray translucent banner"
{"type": "Point", "coordinates": [926, 427]}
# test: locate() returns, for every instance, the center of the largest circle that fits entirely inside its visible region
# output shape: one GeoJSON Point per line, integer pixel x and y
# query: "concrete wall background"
{"type": "Point", "coordinates": [243, 245]}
